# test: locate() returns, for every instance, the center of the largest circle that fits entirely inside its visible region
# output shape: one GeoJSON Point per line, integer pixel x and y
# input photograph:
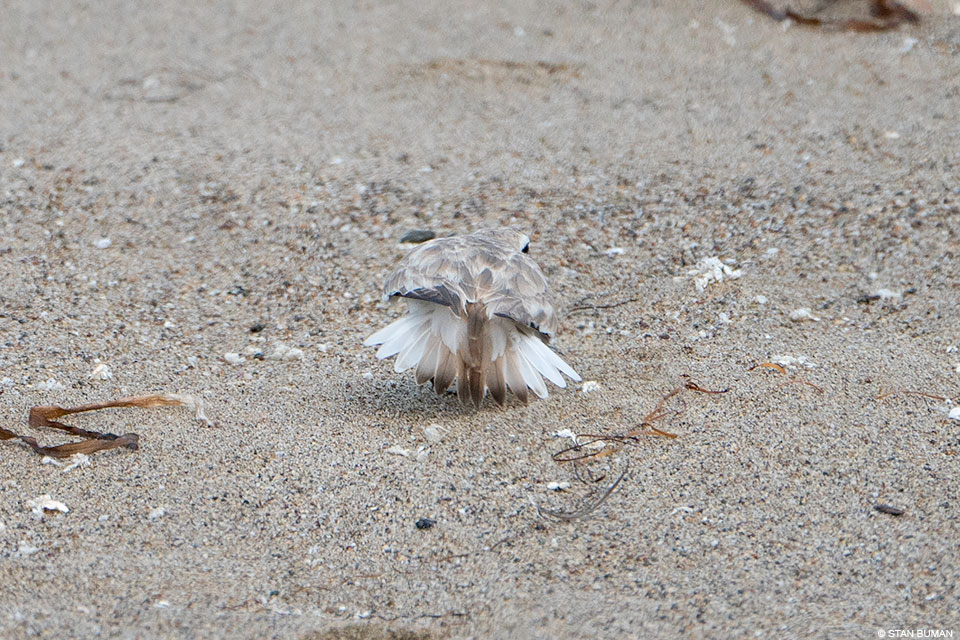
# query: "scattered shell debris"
{"type": "Point", "coordinates": [710, 270]}
{"type": "Point", "coordinates": [590, 386]}
{"type": "Point", "coordinates": [803, 314]}
{"type": "Point", "coordinates": [50, 384]}
{"type": "Point", "coordinates": [283, 352]}
{"type": "Point", "coordinates": [39, 506]}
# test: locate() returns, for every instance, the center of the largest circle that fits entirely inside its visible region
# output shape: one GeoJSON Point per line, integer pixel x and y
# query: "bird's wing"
{"type": "Point", "coordinates": [461, 270]}
{"type": "Point", "coordinates": [520, 292]}
{"type": "Point", "coordinates": [434, 272]}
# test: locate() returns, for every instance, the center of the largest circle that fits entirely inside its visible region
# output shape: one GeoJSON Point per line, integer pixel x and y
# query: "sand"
{"type": "Point", "coordinates": [185, 181]}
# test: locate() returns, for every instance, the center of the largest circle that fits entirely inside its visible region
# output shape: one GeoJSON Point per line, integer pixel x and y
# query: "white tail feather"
{"type": "Point", "coordinates": [530, 375]}
{"type": "Point", "coordinates": [531, 348]}
{"type": "Point", "coordinates": [413, 351]}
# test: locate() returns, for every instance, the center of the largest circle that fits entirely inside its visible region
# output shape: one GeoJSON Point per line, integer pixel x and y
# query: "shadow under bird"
{"type": "Point", "coordinates": [480, 312]}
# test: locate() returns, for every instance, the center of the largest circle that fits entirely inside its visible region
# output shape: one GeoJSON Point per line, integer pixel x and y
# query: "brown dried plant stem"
{"type": "Point", "coordinates": [46, 415]}
{"type": "Point", "coordinates": [886, 15]}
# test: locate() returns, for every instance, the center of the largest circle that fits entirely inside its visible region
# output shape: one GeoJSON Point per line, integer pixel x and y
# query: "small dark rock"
{"type": "Point", "coordinates": [425, 523]}
{"type": "Point", "coordinates": [257, 328]}
{"type": "Point", "coordinates": [418, 235]}
{"type": "Point", "coordinates": [886, 508]}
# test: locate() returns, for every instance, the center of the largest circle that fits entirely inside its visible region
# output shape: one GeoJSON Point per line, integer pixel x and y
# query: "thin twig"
{"type": "Point", "coordinates": [587, 509]}
{"type": "Point", "coordinates": [922, 394]}
{"type": "Point", "coordinates": [594, 307]}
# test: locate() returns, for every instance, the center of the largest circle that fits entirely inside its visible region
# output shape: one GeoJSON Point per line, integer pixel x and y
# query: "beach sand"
{"type": "Point", "coordinates": [182, 182]}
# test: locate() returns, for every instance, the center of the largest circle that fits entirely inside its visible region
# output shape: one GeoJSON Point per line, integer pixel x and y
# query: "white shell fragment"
{"type": "Point", "coordinates": [191, 402]}
{"type": "Point", "coordinates": [234, 358]}
{"type": "Point", "coordinates": [45, 503]}
{"type": "Point", "coordinates": [888, 294]}
{"type": "Point", "coordinates": [590, 386]}
{"type": "Point", "coordinates": [102, 243]}
{"type": "Point", "coordinates": [156, 514]}
{"type": "Point", "coordinates": [101, 372]}
{"type": "Point", "coordinates": [710, 270]}
{"type": "Point", "coordinates": [802, 314]}
{"type": "Point", "coordinates": [397, 450]}
{"type": "Point", "coordinates": [434, 433]}
{"type": "Point", "coordinates": [954, 413]}
{"type": "Point", "coordinates": [77, 460]}
{"type": "Point", "coordinates": [792, 362]}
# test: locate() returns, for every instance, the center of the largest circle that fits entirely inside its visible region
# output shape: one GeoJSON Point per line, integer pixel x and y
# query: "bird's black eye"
{"type": "Point", "coordinates": [526, 248]}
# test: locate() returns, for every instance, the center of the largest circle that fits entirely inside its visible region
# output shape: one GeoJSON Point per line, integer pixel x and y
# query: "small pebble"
{"type": "Point", "coordinates": [424, 523]}
{"type": "Point", "coordinates": [886, 508]}
{"type": "Point", "coordinates": [102, 243]}
{"type": "Point", "coordinates": [590, 386]}
{"type": "Point", "coordinates": [156, 514]}
{"type": "Point", "coordinates": [234, 358]}
{"type": "Point", "coordinates": [418, 235]}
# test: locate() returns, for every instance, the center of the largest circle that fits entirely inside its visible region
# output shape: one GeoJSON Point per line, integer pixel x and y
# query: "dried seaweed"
{"type": "Point", "coordinates": [46, 416]}
{"type": "Point", "coordinates": [582, 305]}
{"type": "Point", "coordinates": [922, 394]}
{"type": "Point", "coordinates": [793, 380]}
{"type": "Point", "coordinates": [886, 15]}
{"type": "Point", "coordinates": [588, 507]}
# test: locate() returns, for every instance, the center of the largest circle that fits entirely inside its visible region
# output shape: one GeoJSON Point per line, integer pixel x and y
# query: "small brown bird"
{"type": "Point", "coordinates": [479, 311]}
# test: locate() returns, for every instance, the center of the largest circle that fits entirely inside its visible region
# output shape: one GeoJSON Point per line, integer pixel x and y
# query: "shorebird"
{"type": "Point", "coordinates": [479, 311]}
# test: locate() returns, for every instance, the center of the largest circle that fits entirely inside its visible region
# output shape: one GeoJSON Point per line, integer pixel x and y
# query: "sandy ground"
{"type": "Point", "coordinates": [170, 178]}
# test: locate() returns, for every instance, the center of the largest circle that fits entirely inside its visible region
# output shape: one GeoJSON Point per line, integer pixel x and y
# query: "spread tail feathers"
{"type": "Point", "coordinates": [478, 351]}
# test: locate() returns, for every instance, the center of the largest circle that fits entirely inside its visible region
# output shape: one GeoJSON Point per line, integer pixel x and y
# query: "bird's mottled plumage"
{"type": "Point", "coordinates": [480, 312]}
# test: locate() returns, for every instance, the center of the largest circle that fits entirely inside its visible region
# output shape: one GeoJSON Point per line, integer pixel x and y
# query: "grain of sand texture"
{"type": "Point", "coordinates": [187, 180]}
